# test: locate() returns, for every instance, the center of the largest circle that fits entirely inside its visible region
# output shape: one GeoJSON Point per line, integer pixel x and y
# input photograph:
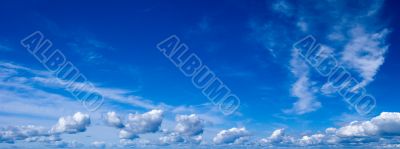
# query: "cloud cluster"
{"type": "Point", "coordinates": [189, 129]}
{"type": "Point", "coordinates": [69, 124]}
{"type": "Point", "coordinates": [11, 134]}
{"type": "Point", "coordinates": [382, 129]}
{"type": "Point", "coordinates": [232, 136]}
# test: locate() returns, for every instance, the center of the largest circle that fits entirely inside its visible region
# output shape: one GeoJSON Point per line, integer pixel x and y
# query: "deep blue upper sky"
{"type": "Point", "coordinates": [248, 44]}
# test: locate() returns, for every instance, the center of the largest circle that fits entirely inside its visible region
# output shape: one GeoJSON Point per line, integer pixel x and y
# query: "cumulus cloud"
{"type": "Point", "coordinates": [72, 124]}
{"type": "Point", "coordinates": [136, 124]}
{"type": "Point", "coordinates": [232, 136]}
{"type": "Point", "coordinates": [386, 124]}
{"type": "Point", "coordinates": [112, 119]}
{"type": "Point", "coordinates": [189, 129]}
{"type": "Point", "coordinates": [190, 125]}
{"type": "Point", "coordinates": [383, 130]}
{"type": "Point", "coordinates": [277, 137]}
{"type": "Point", "coordinates": [311, 140]}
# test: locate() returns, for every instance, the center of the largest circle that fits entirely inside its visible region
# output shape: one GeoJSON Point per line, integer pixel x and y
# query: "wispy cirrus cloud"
{"type": "Point", "coordinates": [355, 38]}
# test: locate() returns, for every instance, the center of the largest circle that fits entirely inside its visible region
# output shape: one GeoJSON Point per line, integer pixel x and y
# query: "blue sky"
{"type": "Point", "coordinates": [149, 102]}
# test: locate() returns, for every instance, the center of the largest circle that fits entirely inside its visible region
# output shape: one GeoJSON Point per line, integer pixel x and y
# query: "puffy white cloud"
{"type": "Point", "coordinates": [188, 129]}
{"type": "Point", "coordinates": [311, 140]}
{"type": "Point", "coordinates": [233, 135]}
{"type": "Point", "coordinates": [72, 124]}
{"type": "Point", "coordinates": [278, 136]}
{"type": "Point", "coordinates": [136, 124]}
{"type": "Point", "coordinates": [386, 124]}
{"type": "Point", "coordinates": [357, 129]}
{"type": "Point", "coordinates": [190, 125]}
{"type": "Point", "coordinates": [124, 134]}
{"type": "Point", "coordinates": [112, 119]}
{"type": "Point", "coordinates": [275, 137]}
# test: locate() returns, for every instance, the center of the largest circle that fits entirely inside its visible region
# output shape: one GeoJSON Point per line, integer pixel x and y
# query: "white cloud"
{"type": "Point", "coordinates": [11, 134]}
{"type": "Point", "coordinates": [303, 88]}
{"type": "Point", "coordinates": [190, 125]}
{"type": "Point", "coordinates": [379, 131]}
{"type": "Point", "coordinates": [311, 140]}
{"type": "Point", "coordinates": [136, 124]}
{"type": "Point", "coordinates": [148, 122]}
{"type": "Point", "coordinates": [113, 120]}
{"type": "Point", "coordinates": [357, 34]}
{"type": "Point", "coordinates": [278, 136]}
{"type": "Point", "coordinates": [188, 130]}
{"type": "Point", "coordinates": [136, 142]}
{"type": "Point", "coordinates": [357, 129]}
{"type": "Point", "coordinates": [171, 138]}
{"type": "Point", "coordinates": [72, 124]}
{"type": "Point", "coordinates": [124, 134]}
{"type": "Point", "coordinates": [386, 124]}
{"type": "Point", "coordinates": [232, 136]}
{"type": "Point", "coordinates": [365, 52]}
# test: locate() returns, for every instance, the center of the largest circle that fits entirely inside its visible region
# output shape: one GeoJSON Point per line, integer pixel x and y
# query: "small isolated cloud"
{"type": "Point", "coordinates": [72, 124]}
{"type": "Point", "coordinates": [113, 120]}
{"type": "Point", "coordinates": [232, 136]}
